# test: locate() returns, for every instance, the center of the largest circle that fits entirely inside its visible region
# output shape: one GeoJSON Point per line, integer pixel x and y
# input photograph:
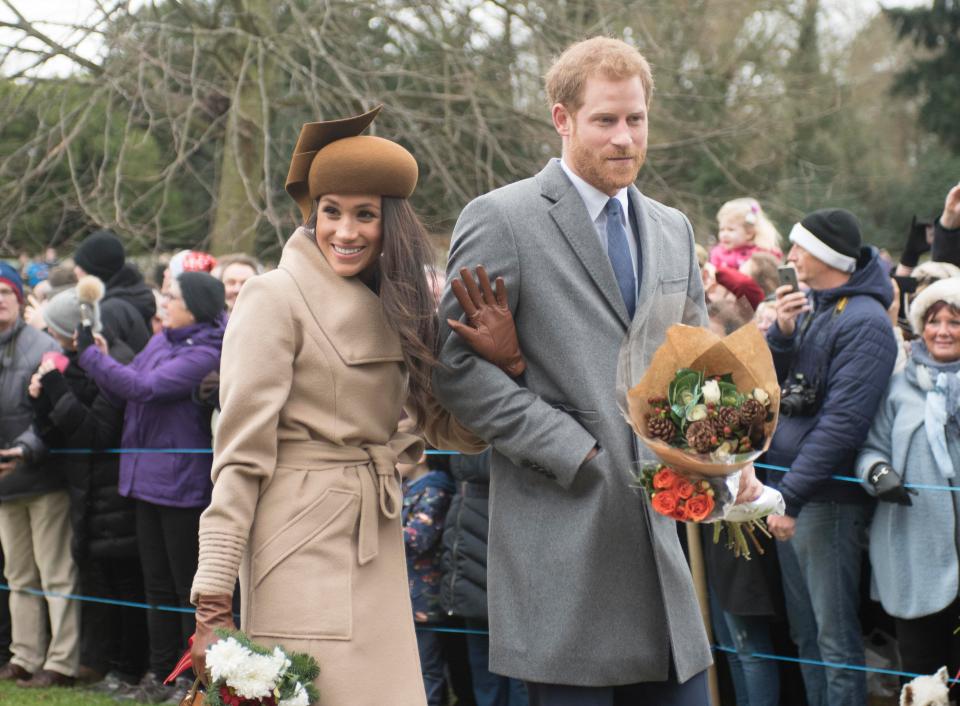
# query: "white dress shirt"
{"type": "Point", "coordinates": [596, 203]}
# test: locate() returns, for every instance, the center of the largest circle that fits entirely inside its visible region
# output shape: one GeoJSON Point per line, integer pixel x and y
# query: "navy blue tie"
{"type": "Point", "coordinates": [619, 253]}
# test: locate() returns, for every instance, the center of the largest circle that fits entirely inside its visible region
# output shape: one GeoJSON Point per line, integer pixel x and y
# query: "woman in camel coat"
{"type": "Point", "coordinates": [315, 376]}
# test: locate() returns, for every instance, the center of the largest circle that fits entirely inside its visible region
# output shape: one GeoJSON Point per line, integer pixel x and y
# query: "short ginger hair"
{"type": "Point", "coordinates": [610, 58]}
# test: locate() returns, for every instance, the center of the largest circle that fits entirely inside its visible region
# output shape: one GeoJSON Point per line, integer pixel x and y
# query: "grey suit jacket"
{"type": "Point", "coordinates": [586, 585]}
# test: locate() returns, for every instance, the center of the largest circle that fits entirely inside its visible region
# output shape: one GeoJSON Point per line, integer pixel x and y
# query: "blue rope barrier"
{"type": "Point", "coordinates": [817, 663]}
{"type": "Point", "coordinates": [851, 479]}
{"type": "Point", "coordinates": [452, 631]}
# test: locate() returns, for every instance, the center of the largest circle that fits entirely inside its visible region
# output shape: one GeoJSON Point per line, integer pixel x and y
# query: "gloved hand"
{"type": "Point", "coordinates": [491, 331]}
{"type": "Point", "coordinates": [84, 339]}
{"type": "Point", "coordinates": [889, 485]}
{"type": "Point", "coordinates": [212, 612]}
{"type": "Point", "coordinates": [916, 244]}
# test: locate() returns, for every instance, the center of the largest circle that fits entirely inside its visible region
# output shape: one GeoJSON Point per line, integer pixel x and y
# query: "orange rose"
{"type": "Point", "coordinates": [665, 502]}
{"type": "Point", "coordinates": [684, 488]}
{"type": "Point", "coordinates": [699, 507]}
{"type": "Point", "coordinates": [665, 479]}
{"type": "Point", "coordinates": [679, 513]}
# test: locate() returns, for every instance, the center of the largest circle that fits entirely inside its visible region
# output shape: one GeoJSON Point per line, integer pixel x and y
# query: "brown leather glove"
{"type": "Point", "coordinates": [212, 612]}
{"type": "Point", "coordinates": [490, 330]}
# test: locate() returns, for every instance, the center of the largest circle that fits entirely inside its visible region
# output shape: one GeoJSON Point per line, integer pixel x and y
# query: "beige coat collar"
{"type": "Point", "coordinates": [345, 309]}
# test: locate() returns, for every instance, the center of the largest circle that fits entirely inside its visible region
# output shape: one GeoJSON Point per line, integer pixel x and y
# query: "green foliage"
{"type": "Point", "coordinates": [934, 74]}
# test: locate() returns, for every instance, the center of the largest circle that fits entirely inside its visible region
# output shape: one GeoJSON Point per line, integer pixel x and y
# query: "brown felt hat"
{"type": "Point", "coordinates": [332, 157]}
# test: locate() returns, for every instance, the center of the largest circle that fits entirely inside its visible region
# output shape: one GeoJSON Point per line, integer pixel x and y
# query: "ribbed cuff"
{"type": "Point", "coordinates": [218, 564]}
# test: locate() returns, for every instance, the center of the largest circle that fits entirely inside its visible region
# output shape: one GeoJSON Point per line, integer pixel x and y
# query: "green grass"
{"type": "Point", "coordinates": [13, 695]}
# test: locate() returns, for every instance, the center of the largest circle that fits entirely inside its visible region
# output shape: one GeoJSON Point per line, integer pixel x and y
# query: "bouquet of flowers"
{"type": "Point", "coordinates": [243, 673]}
{"type": "Point", "coordinates": [706, 407]}
{"type": "Point", "coordinates": [710, 500]}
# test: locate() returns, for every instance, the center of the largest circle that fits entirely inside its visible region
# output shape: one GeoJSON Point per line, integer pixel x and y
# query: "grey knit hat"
{"type": "Point", "coordinates": [62, 314]}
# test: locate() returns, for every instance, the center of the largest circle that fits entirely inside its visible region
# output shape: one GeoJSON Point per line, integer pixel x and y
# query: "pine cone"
{"type": "Point", "coordinates": [702, 437]}
{"type": "Point", "coordinates": [729, 417]}
{"type": "Point", "coordinates": [661, 428]}
{"type": "Point", "coordinates": [753, 412]}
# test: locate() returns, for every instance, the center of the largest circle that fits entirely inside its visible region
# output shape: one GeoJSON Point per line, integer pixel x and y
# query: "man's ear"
{"type": "Point", "coordinates": [562, 119]}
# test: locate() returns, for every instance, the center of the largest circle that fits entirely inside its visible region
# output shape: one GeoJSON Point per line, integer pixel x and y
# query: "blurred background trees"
{"type": "Point", "coordinates": [178, 133]}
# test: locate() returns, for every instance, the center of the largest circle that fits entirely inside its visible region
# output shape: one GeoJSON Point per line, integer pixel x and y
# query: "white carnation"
{"type": "Point", "coordinates": [225, 659]}
{"type": "Point", "coordinates": [259, 674]}
{"type": "Point", "coordinates": [299, 697]}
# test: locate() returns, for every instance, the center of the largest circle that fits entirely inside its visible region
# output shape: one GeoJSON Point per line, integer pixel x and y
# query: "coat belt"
{"type": "Point", "coordinates": [376, 465]}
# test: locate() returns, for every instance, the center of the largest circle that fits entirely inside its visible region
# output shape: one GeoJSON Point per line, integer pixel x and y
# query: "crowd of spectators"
{"type": "Point", "coordinates": [95, 357]}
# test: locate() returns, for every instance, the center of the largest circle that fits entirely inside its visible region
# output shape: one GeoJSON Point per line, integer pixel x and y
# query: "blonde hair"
{"type": "Point", "coordinates": [748, 210]}
{"type": "Point", "coordinates": [611, 58]}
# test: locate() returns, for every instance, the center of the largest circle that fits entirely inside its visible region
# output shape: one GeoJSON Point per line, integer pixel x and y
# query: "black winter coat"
{"type": "Point", "coordinates": [72, 413]}
{"type": "Point", "coordinates": [946, 244]}
{"type": "Point", "coordinates": [127, 308]}
{"type": "Point", "coordinates": [463, 591]}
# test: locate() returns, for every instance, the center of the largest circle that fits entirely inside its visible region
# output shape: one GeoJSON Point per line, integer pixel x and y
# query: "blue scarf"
{"type": "Point", "coordinates": [941, 382]}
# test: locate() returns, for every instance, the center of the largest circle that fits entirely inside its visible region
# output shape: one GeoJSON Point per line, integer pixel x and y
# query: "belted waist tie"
{"type": "Point", "coordinates": [376, 466]}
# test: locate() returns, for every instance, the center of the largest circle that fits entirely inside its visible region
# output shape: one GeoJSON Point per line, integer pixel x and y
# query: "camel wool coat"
{"type": "Point", "coordinates": [306, 496]}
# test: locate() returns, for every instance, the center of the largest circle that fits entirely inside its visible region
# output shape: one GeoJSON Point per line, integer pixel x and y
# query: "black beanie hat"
{"type": "Point", "coordinates": [832, 235]}
{"type": "Point", "coordinates": [203, 295]}
{"type": "Point", "coordinates": [101, 255]}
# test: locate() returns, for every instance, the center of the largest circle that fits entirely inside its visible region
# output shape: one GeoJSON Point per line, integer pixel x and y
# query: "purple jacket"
{"type": "Point", "coordinates": [157, 387]}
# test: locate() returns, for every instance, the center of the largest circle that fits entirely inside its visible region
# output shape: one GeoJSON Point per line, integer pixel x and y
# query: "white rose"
{"type": "Point", "coordinates": [697, 413]}
{"type": "Point", "coordinates": [761, 396]}
{"type": "Point", "coordinates": [711, 392]}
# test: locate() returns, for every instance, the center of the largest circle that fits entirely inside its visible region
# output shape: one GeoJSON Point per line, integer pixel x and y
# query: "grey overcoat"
{"type": "Point", "coordinates": [586, 585]}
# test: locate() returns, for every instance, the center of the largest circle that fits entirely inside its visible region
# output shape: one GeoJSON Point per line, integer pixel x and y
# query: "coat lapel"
{"type": "Point", "coordinates": [344, 308]}
{"type": "Point", "coordinates": [570, 215]}
{"type": "Point", "coordinates": [650, 242]}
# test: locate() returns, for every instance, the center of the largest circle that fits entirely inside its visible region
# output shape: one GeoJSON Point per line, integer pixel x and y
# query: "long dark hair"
{"type": "Point", "coordinates": [405, 293]}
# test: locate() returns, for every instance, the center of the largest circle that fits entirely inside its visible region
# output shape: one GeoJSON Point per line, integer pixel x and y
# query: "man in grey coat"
{"type": "Point", "coordinates": [590, 599]}
{"type": "Point", "coordinates": [35, 528]}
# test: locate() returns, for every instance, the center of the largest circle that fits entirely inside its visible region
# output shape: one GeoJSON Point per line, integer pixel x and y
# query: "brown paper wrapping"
{"type": "Point", "coordinates": [743, 354]}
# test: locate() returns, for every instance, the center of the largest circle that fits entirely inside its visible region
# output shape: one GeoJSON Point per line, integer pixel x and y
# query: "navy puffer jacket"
{"type": "Point", "coordinates": [463, 591]}
{"type": "Point", "coordinates": [848, 349]}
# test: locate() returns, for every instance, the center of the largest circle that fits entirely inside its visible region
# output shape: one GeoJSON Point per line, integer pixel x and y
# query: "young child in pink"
{"type": "Point", "coordinates": [743, 230]}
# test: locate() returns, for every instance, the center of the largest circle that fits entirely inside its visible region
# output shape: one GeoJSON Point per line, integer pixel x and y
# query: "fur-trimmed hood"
{"type": "Point", "coordinates": [946, 290]}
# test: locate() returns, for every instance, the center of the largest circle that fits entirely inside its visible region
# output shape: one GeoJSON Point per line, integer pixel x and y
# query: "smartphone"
{"type": "Point", "coordinates": [59, 360]}
{"type": "Point", "coordinates": [788, 275]}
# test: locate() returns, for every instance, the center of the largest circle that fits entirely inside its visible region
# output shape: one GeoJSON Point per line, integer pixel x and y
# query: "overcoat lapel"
{"type": "Point", "coordinates": [570, 215]}
{"type": "Point", "coordinates": [650, 242]}
{"type": "Point", "coordinates": [344, 308]}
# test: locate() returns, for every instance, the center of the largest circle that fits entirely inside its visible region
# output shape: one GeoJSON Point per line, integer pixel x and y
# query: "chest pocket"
{"type": "Point", "coordinates": [671, 301]}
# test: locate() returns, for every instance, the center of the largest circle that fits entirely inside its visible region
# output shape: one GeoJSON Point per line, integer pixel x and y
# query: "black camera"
{"type": "Point", "coordinates": [799, 398]}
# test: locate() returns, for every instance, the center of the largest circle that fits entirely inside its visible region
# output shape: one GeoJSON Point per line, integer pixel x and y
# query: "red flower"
{"type": "Point", "coordinates": [665, 502]}
{"type": "Point", "coordinates": [679, 513]}
{"type": "Point", "coordinates": [665, 479]}
{"type": "Point", "coordinates": [684, 488]}
{"type": "Point", "coordinates": [699, 507]}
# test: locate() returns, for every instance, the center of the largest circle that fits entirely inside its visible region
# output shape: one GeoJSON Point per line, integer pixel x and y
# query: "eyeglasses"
{"type": "Point", "coordinates": [7, 292]}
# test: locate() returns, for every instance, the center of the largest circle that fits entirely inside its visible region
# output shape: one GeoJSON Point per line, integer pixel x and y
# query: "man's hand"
{"type": "Point", "coordinates": [750, 487]}
{"type": "Point", "coordinates": [950, 218]}
{"type": "Point", "coordinates": [33, 313]}
{"type": "Point", "coordinates": [491, 331]}
{"type": "Point", "coordinates": [782, 527]}
{"type": "Point", "coordinates": [790, 305]}
{"type": "Point", "coordinates": [9, 458]}
{"type": "Point", "coordinates": [591, 454]}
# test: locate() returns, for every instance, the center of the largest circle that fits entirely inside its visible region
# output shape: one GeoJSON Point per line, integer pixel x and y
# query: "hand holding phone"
{"type": "Point", "coordinates": [788, 275]}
